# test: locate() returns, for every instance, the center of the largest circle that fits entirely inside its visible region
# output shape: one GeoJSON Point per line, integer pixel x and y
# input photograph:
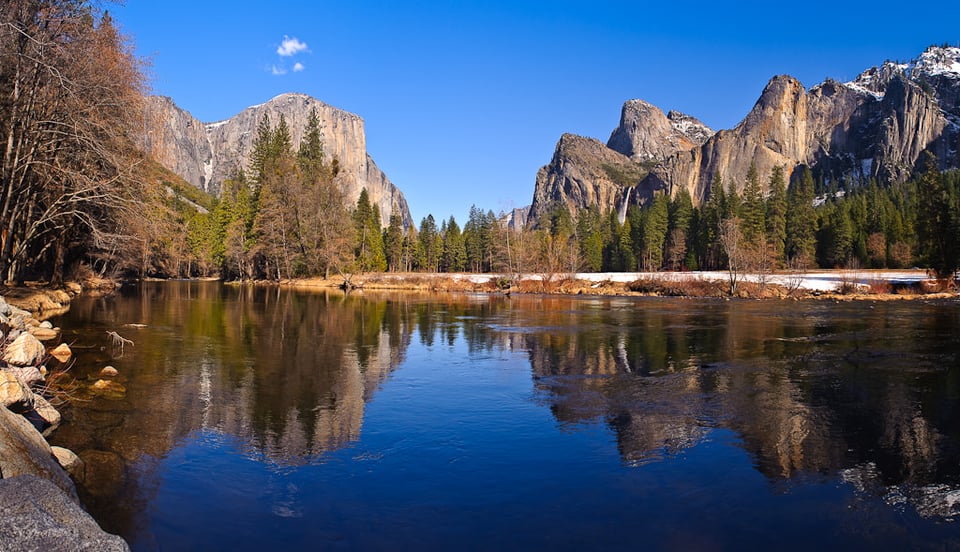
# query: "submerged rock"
{"type": "Point", "coordinates": [103, 473]}
{"type": "Point", "coordinates": [109, 389]}
{"type": "Point", "coordinates": [39, 516]}
{"type": "Point", "coordinates": [109, 372]}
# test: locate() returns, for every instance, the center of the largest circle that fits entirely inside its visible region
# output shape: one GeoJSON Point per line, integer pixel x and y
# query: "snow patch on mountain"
{"type": "Point", "coordinates": [937, 61]}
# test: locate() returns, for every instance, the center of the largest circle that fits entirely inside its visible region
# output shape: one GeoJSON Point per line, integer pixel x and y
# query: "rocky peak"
{"type": "Point", "coordinates": [690, 126]}
{"type": "Point", "coordinates": [937, 61]}
{"type": "Point", "coordinates": [646, 134]}
{"type": "Point", "coordinates": [874, 81]}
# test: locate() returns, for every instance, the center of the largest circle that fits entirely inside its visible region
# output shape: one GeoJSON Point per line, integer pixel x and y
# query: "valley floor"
{"type": "Point", "coordinates": [874, 284]}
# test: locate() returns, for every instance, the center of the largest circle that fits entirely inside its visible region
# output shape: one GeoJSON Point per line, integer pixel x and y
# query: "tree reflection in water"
{"type": "Point", "coordinates": [866, 393]}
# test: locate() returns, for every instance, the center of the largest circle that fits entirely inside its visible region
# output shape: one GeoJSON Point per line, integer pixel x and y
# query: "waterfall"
{"type": "Point", "coordinates": [622, 214]}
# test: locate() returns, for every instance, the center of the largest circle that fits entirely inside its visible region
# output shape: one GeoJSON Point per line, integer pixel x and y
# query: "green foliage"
{"type": "Point", "coordinates": [454, 257]}
{"type": "Point", "coordinates": [776, 214]}
{"type": "Point", "coordinates": [369, 249]}
{"type": "Point", "coordinates": [801, 219]}
{"type": "Point", "coordinates": [625, 176]}
{"type": "Point", "coordinates": [938, 218]}
{"type": "Point", "coordinates": [431, 245]}
{"type": "Point", "coordinates": [753, 210]}
{"type": "Point", "coordinates": [654, 224]}
{"type": "Point", "coordinates": [393, 242]}
{"type": "Point", "coordinates": [590, 239]}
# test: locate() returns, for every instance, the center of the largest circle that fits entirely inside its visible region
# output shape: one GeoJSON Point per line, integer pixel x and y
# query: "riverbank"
{"type": "Point", "coordinates": [38, 492]}
{"type": "Point", "coordinates": [887, 285]}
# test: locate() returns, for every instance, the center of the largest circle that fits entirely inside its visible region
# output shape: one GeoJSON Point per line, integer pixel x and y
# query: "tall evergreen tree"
{"type": "Point", "coordinates": [454, 251]}
{"type": "Point", "coordinates": [393, 242]}
{"type": "Point", "coordinates": [776, 214]}
{"type": "Point", "coordinates": [369, 250]}
{"type": "Point", "coordinates": [431, 244]}
{"type": "Point", "coordinates": [752, 215]}
{"type": "Point", "coordinates": [801, 223]}
{"type": "Point", "coordinates": [590, 239]}
{"type": "Point", "coordinates": [654, 236]}
{"type": "Point", "coordinates": [936, 219]}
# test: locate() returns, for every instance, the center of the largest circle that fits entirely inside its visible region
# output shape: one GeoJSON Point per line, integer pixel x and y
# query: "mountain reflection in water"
{"type": "Point", "coordinates": [859, 394]}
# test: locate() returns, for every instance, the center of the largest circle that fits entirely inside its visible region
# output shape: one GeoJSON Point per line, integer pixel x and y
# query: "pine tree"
{"type": "Point", "coordinates": [310, 154]}
{"type": "Point", "coordinates": [262, 150]}
{"type": "Point", "coordinates": [369, 249]}
{"type": "Point", "coordinates": [752, 215]}
{"type": "Point", "coordinates": [936, 219]}
{"type": "Point", "coordinates": [680, 229]}
{"type": "Point", "coordinates": [801, 219]}
{"type": "Point", "coordinates": [454, 250]}
{"type": "Point", "coordinates": [655, 226]}
{"type": "Point", "coordinates": [393, 242]}
{"type": "Point", "coordinates": [776, 214]}
{"type": "Point", "coordinates": [590, 239]}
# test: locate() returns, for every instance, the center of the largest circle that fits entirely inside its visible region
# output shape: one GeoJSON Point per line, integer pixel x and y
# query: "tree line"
{"type": "Point", "coordinates": [289, 219]}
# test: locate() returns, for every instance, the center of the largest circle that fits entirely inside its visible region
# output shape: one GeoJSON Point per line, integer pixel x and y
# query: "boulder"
{"type": "Point", "coordinates": [28, 375]}
{"type": "Point", "coordinates": [70, 462]}
{"type": "Point", "coordinates": [14, 395]}
{"type": "Point", "coordinates": [24, 451]}
{"type": "Point", "coordinates": [62, 352]}
{"type": "Point", "coordinates": [109, 372]}
{"type": "Point", "coordinates": [39, 516]}
{"type": "Point", "coordinates": [26, 350]}
{"type": "Point", "coordinates": [74, 288]}
{"type": "Point", "coordinates": [46, 324]}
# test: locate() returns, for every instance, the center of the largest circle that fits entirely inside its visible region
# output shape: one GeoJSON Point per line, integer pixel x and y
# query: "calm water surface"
{"type": "Point", "coordinates": [258, 419]}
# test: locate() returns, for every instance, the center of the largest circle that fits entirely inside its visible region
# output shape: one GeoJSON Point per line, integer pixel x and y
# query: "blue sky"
{"type": "Point", "coordinates": [464, 100]}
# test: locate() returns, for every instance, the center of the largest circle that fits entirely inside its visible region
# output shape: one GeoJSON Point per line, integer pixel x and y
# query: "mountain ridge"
{"type": "Point", "coordinates": [875, 126]}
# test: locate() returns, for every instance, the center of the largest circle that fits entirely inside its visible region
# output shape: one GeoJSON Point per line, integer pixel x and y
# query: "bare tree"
{"type": "Point", "coordinates": [676, 248]}
{"type": "Point", "coordinates": [72, 95]}
{"type": "Point", "coordinates": [731, 240]}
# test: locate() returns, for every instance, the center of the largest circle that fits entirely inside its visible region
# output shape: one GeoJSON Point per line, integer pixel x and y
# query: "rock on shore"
{"type": "Point", "coordinates": [38, 498]}
{"type": "Point", "coordinates": [37, 515]}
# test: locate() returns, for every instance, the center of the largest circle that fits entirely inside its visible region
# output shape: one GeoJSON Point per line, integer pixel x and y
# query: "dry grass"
{"type": "Point", "coordinates": [698, 287]}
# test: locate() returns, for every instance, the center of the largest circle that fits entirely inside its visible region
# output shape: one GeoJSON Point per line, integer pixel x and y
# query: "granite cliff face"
{"type": "Point", "coordinates": [876, 126]}
{"type": "Point", "coordinates": [207, 154]}
{"type": "Point", "coordinates": [583, 172]}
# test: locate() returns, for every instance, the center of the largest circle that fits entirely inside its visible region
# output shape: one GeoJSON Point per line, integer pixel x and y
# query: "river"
{"type": "Point", "coordinates": [259, 418]}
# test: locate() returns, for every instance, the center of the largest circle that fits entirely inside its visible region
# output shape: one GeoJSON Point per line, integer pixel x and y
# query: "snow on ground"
{"type": "Point", "coordinates": [826, 280]}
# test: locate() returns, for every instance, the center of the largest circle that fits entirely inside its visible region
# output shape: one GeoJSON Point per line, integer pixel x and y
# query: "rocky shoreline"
{"type": "Point", "coordinates": [38, 493]}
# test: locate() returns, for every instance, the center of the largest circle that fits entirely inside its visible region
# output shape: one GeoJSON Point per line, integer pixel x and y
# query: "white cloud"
{"type": "Point", "coordinates": [291, 46]}
{"type": "Point", "coordinates": [278, 70]}
{"type": "Point", "coordinates": [297, 67]}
